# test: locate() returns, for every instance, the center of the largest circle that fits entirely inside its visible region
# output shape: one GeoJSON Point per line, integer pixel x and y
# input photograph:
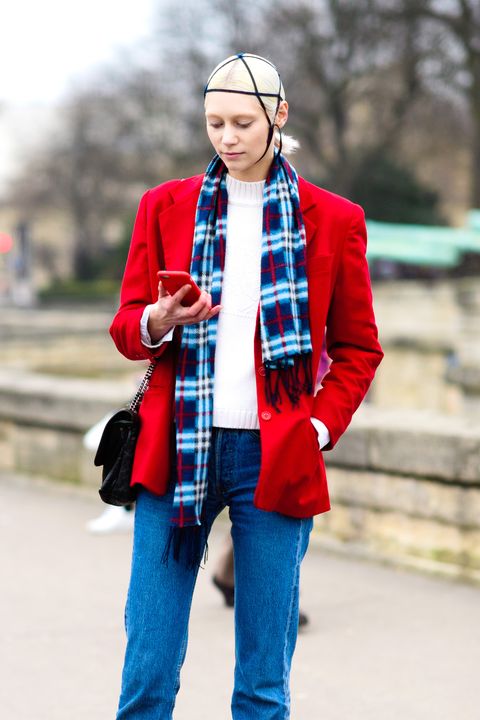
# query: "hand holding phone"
{"type": "Point", "coordinates": [171, 308]}
{"type": "Point", "coordinates": [173, 280]}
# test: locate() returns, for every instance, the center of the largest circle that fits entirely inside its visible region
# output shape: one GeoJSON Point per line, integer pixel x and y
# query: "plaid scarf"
{"type": "Point", "coordinates": [284, 332]}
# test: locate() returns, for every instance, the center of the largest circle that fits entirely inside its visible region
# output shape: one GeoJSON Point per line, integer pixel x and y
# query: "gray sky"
{"type": "Point", "coordinates": [44, 46]}
{"type": "Point", "coordinates": [46, 42]}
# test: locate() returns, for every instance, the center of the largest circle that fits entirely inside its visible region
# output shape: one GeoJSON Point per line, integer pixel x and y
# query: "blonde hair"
{"type": "Point", "coordinates": [232, 74]}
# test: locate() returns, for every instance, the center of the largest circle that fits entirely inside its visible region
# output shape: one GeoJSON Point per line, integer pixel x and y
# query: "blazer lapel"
{"type": "Point", "coordinates": [307, 204]}
{"type": "Point", "coordinates": [177, 224]}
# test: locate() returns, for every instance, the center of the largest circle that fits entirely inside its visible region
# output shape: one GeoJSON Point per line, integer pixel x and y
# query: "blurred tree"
{"type": "Point", "coordinates": [455, 59]}
{"type": "Point", "coordinates": [360, 78]}
{"type": "Point", "coordinates": [352, 80]}
{"type": "Point", "coordinates": [112, 263]}
{"type": "Point", "coordinates": [352, 77]}
{"type": "Point", "coordinates": [391, 193]}
{"type": "Point", "coordinates": [109, 144]}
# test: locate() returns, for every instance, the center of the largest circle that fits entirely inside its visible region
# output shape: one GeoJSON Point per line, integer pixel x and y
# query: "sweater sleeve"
{"type": "Point", "coordinates": [145, 335]}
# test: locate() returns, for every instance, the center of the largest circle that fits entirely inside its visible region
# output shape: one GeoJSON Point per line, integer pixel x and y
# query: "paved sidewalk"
{"type": "Point", "coordinates": [383, 644]}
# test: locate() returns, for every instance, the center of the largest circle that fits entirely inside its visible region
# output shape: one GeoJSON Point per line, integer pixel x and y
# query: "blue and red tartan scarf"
{"type": "Point", "coordinates": [284, 332]}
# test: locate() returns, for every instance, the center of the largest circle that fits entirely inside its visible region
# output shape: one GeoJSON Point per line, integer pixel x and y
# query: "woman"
{"type": "Point", "coordinates": [231, 416]}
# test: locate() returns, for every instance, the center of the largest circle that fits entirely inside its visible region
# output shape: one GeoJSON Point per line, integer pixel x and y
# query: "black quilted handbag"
{"type": "Point", "coordinates": [116, 450]}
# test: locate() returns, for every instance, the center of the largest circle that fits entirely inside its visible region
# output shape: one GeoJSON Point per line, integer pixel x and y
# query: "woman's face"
{"type": "Point", "coordinates": [238, 130]}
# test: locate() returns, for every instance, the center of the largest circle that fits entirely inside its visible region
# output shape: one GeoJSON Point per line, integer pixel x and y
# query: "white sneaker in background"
{"type": "Point", "coordinates": [113, 519]}
{"type": "Point", "coordinates": [92, 436]}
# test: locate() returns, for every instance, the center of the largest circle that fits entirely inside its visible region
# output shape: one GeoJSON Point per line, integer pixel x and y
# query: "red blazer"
{"type": "Point", "coordinates": [292, 476]}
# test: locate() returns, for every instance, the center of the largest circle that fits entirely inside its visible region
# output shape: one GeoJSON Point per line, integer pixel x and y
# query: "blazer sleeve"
{"type": "Point", "coordinates": [351, 335]}
{"type": "Point", "coordinates": [135, 294]}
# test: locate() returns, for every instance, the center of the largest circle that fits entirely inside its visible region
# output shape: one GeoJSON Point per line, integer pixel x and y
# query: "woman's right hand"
{"type": "Point", "coordinates": [168, 311]}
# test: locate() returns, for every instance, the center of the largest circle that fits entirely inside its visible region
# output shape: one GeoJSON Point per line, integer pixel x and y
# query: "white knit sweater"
{"type": "Point", "coordinates": [235, 396]}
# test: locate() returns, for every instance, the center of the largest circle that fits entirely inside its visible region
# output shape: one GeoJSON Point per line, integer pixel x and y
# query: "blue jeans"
{"type": "Point", "coordinates": [268, 550]}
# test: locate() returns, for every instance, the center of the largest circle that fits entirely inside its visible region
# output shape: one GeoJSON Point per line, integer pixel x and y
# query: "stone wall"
{"type": "Point", "coordinates": [430, 332]}
{"type": "Point", "coordinates": [65, 342]}
{"type": "Point", "coordinates": [43, 420]}
{"type": "Point", "coordinates": [404, 486]}
{"type": "Point", "coordinates": [419, 328]}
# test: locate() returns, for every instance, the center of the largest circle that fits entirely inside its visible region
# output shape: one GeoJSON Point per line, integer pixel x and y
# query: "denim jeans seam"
{"type": "Point", "coordinates": [217, 468]}
{"type": "Point", "coordinates": [125, 612]}
{"type": "Point", "coordinates": [295, 585]}
{"type": "Point", "coordinates": [182, 649]}
{"type": "Point", "coordinates": [181, 658]}
{"type": "Point", "coordinates": [170, 710]}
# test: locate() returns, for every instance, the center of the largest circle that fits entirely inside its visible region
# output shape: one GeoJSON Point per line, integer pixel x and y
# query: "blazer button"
{"type": "Point", "coordinates": [266, 415]}
{"type": "Point", "coordinates": [261, 370]}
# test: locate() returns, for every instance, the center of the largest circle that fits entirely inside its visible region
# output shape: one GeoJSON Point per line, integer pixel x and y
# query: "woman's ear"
{"type": "Point", "coordinates": [282, 114]}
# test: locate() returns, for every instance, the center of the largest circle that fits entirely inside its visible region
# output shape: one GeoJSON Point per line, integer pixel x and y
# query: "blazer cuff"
{"type": "Point", "coordinates": [145, 335]}
{"type": "Point", "coordinates": [322, 430]}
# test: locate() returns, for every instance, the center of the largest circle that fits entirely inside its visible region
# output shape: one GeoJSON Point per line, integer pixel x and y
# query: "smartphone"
{"type": "Point", "coordinates": [173, 280]}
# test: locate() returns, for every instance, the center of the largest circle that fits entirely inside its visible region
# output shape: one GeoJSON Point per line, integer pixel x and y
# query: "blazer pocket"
{"type": "Point", "coordinates": [319, 265]}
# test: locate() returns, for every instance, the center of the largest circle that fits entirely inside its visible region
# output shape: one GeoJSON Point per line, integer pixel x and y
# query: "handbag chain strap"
{"type": "Point", "coordinates": [135, 404]}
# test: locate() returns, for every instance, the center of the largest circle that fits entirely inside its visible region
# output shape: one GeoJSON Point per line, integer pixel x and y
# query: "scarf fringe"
{"type": "Point", "coordinates": [191, 541]}
{"type": "Point", "coordinates": [290, 378]}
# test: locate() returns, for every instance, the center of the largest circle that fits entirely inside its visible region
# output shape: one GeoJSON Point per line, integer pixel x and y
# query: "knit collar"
{"type": "Point", "coordinates": [244, 193]}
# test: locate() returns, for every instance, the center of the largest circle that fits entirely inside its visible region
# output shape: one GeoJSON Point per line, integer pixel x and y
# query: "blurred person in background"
{"type": "Point", "coordinates": [231, 417]}
{"type": "Point", "coordinates": [114, 518]}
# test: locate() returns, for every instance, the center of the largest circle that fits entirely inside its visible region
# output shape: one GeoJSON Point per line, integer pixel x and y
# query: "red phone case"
{"type": "Point", "coordinates": [173, 280]}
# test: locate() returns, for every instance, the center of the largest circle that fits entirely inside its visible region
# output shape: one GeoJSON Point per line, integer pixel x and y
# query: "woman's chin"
{"type": "Point", "coordinates": [239, 169]}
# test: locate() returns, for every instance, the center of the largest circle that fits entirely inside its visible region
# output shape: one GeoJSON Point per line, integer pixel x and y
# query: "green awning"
{"type": "Point", "coordinates": [420, 244]}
